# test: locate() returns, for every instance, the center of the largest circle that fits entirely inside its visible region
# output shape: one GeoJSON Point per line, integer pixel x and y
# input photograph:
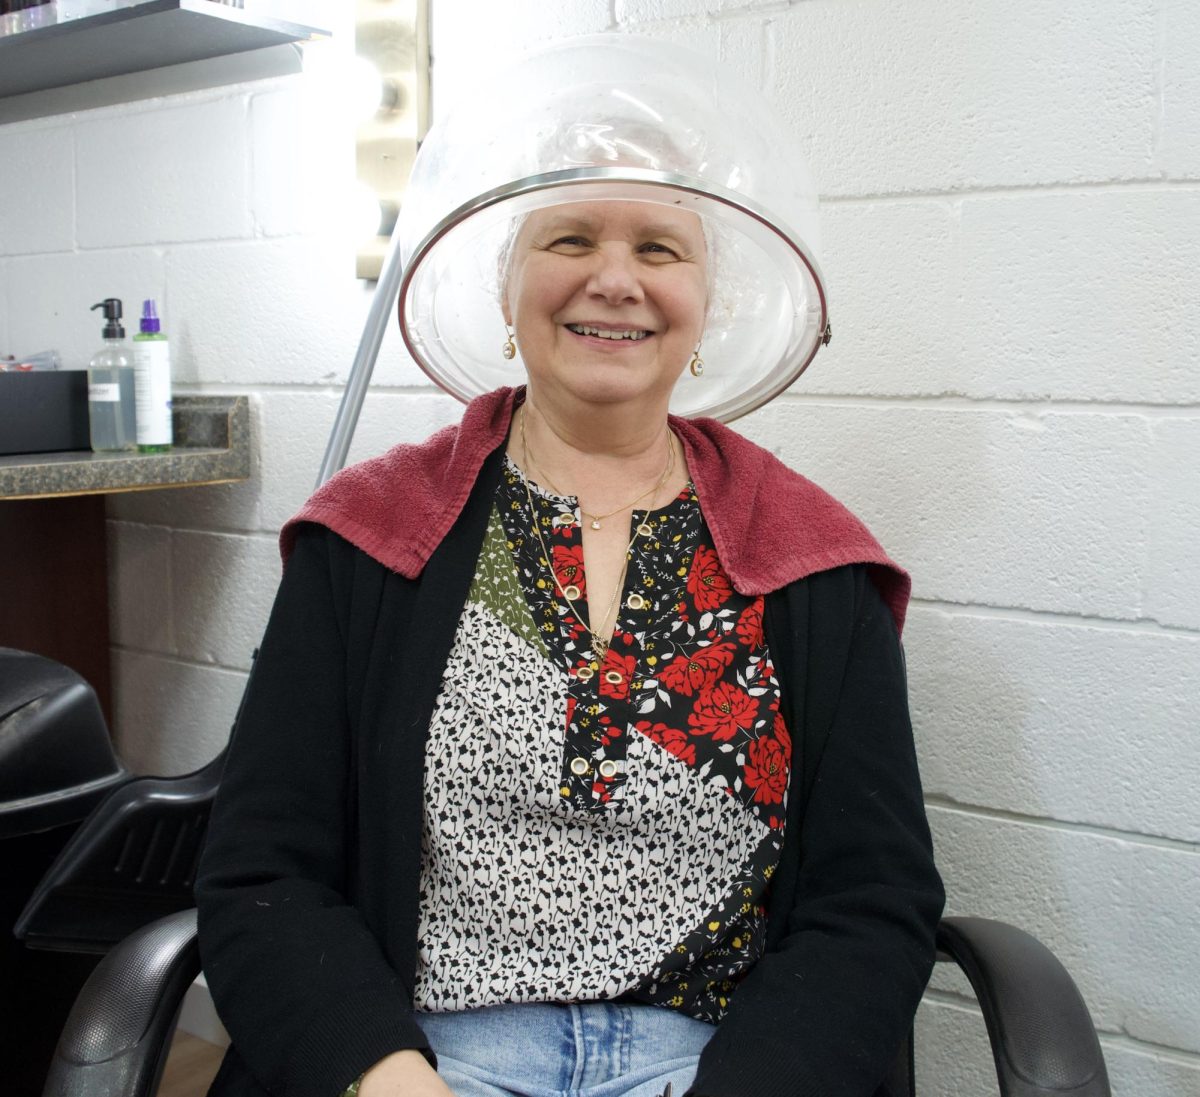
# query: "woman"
{"type": "Point", "coordinates": [577, 756]}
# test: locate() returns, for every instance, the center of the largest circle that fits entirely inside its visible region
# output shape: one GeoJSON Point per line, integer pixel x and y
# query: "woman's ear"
{"type": "Point", "coordinates": [504, 268]}
{"type": "Point", "coordinates": [503, 297]}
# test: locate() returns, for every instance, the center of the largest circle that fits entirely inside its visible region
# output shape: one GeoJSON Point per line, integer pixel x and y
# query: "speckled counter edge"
{"type": "Point", "coordinates": [212, 446]}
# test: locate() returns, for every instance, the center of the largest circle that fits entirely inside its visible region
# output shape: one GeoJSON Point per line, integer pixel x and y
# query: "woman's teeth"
{"type": "Point", "coordinates": [606, 333]}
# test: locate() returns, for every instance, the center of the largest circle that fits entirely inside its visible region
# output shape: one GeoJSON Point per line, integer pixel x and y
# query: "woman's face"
{"type": "Point", "coordinates": [607, 299]}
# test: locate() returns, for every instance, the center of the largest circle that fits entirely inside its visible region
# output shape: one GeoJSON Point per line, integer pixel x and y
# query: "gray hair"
{"type": "Point", "coordinates": [611, 142]}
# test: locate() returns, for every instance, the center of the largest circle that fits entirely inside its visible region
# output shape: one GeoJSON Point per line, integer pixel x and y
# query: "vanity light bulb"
{"type": "Point", "coordinates": [322, 58]}
{"type": "Point", "coordinates": [367, 215]}
{"type": "Point", "coordinates": [364, 89]}
{"type": "Point", "coordinates": [352, 85]}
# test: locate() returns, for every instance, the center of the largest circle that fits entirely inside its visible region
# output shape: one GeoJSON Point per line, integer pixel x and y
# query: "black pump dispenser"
{"type": "Point", "coordinates": [112, 317]}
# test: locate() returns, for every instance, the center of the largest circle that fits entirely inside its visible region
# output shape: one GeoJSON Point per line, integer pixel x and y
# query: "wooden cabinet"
{"type": "Point", "coordinates": [53, 543]}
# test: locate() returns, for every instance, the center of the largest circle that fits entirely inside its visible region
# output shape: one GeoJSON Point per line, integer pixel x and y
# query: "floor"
{"type": "Point", "coordinates": [191, 1066]}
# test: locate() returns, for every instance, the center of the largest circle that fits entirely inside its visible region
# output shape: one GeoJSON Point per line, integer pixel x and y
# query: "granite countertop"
{"type": "Point", "coordinates": [212, 446]}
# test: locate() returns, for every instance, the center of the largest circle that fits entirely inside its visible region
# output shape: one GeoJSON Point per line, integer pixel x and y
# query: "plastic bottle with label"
{"type": "Point", "coordinates": [152, 369]}
{"type": "Point", "coordinates": [112, 409]}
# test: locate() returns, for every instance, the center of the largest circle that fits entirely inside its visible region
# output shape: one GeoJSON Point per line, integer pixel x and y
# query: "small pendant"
{"type": "Point", "coordinates": [595, 523]}
{"type": "Point", "coordinates": [601, 647]}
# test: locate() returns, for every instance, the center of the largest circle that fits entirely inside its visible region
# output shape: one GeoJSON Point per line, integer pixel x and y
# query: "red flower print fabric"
{"type": "Point", "coordinates": [707, 582]}
{"type": "Point", "coordinates": [568, 568]}
{"type": "Point", "coordinates": [723, 711]}
{"type": "Point", "coordinates": [750, 625]}
{"type": "Point", "coordinates": [698, 670]}
{"type": "Point", "coordinates": [691, 660]}
{"type": "Point", "coordinates": [617, 672]}
{"type": "Point", "coordinates": [767, 771]}
{"type": "Point", "coordinates": [674, 741]}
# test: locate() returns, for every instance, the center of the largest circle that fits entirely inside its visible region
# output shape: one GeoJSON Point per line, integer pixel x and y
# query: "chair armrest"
{"type": "Point", "coordinates": [119, 1031]}
{"type": "Point", "coordinates": [1041, 1033]}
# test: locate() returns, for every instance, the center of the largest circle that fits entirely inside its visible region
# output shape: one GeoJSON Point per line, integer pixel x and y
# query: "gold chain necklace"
{"type": "Point", "coordinates": [599, 644]}
{"type": "Point", "coordinates": [596, 519]}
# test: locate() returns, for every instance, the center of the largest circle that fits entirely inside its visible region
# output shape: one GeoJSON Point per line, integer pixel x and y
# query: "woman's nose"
{"type": "Point", "coordinates": [615, 275]}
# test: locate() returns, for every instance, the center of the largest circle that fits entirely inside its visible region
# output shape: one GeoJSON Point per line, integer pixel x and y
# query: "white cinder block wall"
{"type": "Point", "coordinates": [1012, 402]}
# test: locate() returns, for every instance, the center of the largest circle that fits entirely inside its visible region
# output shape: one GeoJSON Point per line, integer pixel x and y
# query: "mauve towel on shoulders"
{"type": "Point", "coordinates": [771, 526]}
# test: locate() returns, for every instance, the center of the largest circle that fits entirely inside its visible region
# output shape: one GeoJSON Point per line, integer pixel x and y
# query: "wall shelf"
{"type": "Point", "coordinates": [212, 446]}
{"type": "Point", "coordinates": [144, 36]}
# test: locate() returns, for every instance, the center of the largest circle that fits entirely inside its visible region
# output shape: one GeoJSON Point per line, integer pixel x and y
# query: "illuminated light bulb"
{"type": "Point", "coordinates": [364, 89]}
{"type": "Point", "coordinates": [321, 58]}
{"type": "Point", "coordinates": [367, 212]}
{"type": "Point", "coordinates": [351, 81]}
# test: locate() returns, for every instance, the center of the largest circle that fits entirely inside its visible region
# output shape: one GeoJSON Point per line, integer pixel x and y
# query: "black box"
{"type": "Point", "coordinates": [44, 411]}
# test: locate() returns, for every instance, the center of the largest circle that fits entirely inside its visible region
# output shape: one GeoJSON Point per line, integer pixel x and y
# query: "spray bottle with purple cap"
{"type": "Point", "coordinates": [152, 368]}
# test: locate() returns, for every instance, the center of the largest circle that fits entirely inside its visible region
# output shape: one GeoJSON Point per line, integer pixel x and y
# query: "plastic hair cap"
{"type": "Point", "coordinates": [615, 117]}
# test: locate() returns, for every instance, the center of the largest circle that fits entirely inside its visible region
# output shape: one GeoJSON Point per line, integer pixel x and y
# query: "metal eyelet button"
{"type": "Point", "coordinates": [579, 766]}
{"type": "Point", "coordinates": [608, 768]}
{"type": "Point", "coordinates": [636, 601]}
{"type": "Point", "coordinates": [644, 530]}
{"type": "Point", "coordinates": [571, 592]}
{"type": "Point", "coordinates": [613, 677]}
{"type": "Point", "coordinates": [585, 674]}
{"type": "Point", "coordinates": [565, 519]}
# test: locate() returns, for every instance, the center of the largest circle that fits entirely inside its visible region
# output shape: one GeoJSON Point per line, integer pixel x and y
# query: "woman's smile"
{"type": "Point", "coordinates": [610, 334]}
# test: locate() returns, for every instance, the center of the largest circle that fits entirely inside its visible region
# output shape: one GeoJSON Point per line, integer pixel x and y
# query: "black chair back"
{"type": "Point", "coordinates": [131, 861]}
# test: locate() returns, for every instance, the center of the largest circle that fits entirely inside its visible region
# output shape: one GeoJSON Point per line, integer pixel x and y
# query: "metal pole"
{"type": "Point", "coordinates": [386, 291]}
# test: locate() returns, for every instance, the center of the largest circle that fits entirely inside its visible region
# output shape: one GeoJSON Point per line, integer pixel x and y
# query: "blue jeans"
{"type": "Point", "coordinates": [544, 1049]}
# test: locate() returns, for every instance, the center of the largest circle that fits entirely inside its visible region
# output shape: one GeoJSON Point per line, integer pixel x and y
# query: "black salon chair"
{"type": "Point", "coordinates": [56, 764]}
{"type": "Point", "coordinates": [132, 860]}
{"type": "Point", "coordinates": [90, 852]}
{"type": "Point", "coordinates": [1041, 1033]}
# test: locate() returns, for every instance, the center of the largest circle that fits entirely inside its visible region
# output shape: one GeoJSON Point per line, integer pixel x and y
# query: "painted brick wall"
{"type": "Point", "coordinates": [1012, 402]}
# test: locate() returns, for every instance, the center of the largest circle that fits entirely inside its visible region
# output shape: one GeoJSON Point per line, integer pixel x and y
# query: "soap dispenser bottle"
{"type": "Point", "coordinates": [112, 397]}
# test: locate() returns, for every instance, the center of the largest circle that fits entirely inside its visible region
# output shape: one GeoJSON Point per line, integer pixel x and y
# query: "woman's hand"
{"type": "Point", "coordinates": [403, 1074]}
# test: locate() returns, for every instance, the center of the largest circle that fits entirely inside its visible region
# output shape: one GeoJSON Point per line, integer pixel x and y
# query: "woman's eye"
{"type": "Point", "coordinates": [570, 242]}
{"type": "Point", "coordinates": [654, 248]}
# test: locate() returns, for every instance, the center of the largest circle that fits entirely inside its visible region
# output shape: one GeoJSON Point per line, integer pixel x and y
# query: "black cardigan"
{"type": "Point", "coordinates": [307, 891]}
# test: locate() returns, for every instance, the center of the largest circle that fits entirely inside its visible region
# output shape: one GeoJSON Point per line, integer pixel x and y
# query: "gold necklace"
{"type": "Point", "coordinates": [531, 462]}
{"type": "Point", "coordinates": [599, 644]}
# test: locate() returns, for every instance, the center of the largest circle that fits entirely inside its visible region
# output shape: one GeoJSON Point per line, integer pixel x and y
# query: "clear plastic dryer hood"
{"type": "Point", "coordinates": [615, 117]}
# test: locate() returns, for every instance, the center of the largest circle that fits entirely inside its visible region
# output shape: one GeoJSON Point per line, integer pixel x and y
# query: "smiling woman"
{"type": "Point", "coordinates": [607, 300]}
{"type": "Point", "coordinates": [577, 755]}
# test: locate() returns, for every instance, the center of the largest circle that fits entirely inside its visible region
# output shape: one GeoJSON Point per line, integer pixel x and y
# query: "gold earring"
{"type": "Point", "coordinates": [509, 350]}
{"type": "Point", "coordinates": [696, 365]}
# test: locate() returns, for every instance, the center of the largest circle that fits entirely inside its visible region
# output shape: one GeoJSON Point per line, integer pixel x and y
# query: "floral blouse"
{"type": "Point", "coordinates": [600, 826]}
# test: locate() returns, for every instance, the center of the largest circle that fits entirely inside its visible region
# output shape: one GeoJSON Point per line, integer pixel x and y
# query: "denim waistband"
{"type": "Point", "coordinates": [548, 1049]}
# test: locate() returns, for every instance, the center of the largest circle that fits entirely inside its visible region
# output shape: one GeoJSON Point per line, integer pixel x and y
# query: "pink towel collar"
{"type": "Point", "coordinates": [397, 507]}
